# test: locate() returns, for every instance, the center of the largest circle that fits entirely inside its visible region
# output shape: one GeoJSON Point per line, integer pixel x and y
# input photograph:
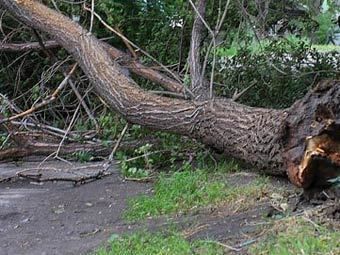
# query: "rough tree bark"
{"type": "Point", "coordinates": [273, 140]}
{"type": "Point", "coordinates": [199, 89]}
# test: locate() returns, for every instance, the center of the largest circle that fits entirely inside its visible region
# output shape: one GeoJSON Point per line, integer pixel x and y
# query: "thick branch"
{"type": "Point", "coordinates": [120, 91]}
{"type": "Point", "coordinates": [36, 148]}
{"type": "Point", "coordinates": [146, 72]}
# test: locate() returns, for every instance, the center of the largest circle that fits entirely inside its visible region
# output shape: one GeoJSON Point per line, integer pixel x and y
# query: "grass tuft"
{"type": "Point", "coordinates": [297, 236]}
{"type": "Point", "coordinates": [145, 243]}
{"type": "Point", "coordinates": [185, 190]}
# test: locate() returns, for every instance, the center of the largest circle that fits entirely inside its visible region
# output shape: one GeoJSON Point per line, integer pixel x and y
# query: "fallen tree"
{"type": "Point", "coordinates": [302, 141]}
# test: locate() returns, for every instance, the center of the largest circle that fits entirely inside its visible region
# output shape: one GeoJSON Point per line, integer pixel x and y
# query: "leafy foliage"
{"type": "Point", "coordinates": [142, 165]}
{"type": "Point", "coordinates": [82, 156]}
{"type": "Point", "coordinates": [325, 24]}
{"type": "Point", "coordinates": [283, 71]}
{"type": "Point", "coordinates": [149, 24]}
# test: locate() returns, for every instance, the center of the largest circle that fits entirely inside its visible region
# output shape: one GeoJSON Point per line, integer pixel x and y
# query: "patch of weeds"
{"type": "Point", "coordinates": [82, 126]}
{"type": "Point", "coordinates": [169, 153]}
{"type": "Point", "coordinates": [182, 191]}
{"type": "Point", "coordinates": [139, 166]}
{"type": "Point", "coordinates": [4, 136]}
{"type": "Point", "coordinates": [297, 236]}
{"type": "Point", "coordinates": [144, 243]}
{"type": "Point", "coordinates": [111, 125]}
{"type": "Point", "coordinates": [132, 171]}
{"type": "Point", "coordinates": [82, 156]}
{"type": "Point", "coordinates": [228, 166]}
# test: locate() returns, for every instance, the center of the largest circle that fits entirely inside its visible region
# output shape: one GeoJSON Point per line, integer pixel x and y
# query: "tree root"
{"type": "Point", "coordinates": [316, 160]}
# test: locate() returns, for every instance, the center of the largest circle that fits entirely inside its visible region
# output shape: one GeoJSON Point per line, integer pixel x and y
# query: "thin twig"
{"type": "Point", "coordinates": [52, 57]}
{"type": "Point", "coordinates": [237, 96]}
{"type": "Point", "coordinates": [83, 103]}
{"type": "Point", "coordinates": [41, 43]}
{"type": "Point", "coordinates": [217, 31]}
{"type": "Point", "coordinates": [145, 155]}
{"type": "Point", "coordinates": [68, 129]}
{"type": "Point", "coordinates": [225, 246]}
{"type": "Point", "coordinates": [118, 142]}
{"type": "Point", "coordinates": [51, 130]}
{"type": "Point", "coordinates": [17, 47]}
{"type": "Point", "coordinates": [92, 16]}
{"type": "Point", "coordinates": [110, 159]}
{"type": "Point", "coordinates": [167, 93]}
{"type": "Point", "coordinates": [127, 44]}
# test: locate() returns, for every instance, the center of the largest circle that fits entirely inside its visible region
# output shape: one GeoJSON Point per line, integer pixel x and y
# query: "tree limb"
{"type": "Point", "coordinates": [19, 47]}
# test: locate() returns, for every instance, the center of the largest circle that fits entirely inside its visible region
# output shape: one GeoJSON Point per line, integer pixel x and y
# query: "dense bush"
{"type": "Point", "coordinates": [282, 70]}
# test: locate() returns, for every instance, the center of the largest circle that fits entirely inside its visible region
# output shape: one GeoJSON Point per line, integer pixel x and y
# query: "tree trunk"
{"type": "Point", "coordinates": [273, 140]}
{"type": "Point", "coordinates": [199, 86]}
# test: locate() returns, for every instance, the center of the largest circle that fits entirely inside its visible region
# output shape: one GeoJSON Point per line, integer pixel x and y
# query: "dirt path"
{"type": "Point", "coordinates": [58, 218]}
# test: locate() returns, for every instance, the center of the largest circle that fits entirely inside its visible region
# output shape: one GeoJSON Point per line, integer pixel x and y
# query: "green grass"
{"type": "Point", "coordinates": [145, 243]}
{"type": "Point", "coordinates": [297, 236]}
{"type": "Point", "coordinates": [185, 190]}
{"type": "Point", "coordinates": [326, 47]}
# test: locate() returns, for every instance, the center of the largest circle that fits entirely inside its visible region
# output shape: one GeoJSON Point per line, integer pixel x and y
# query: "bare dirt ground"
{"type": "Point", "coordinates": [61, 218]}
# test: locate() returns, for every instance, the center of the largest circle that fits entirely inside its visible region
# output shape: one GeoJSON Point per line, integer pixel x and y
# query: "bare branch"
{"type": "Point", "coordinates": [238, 95]}
{"type": "Point", "coordinates": [213, 45]}
{"type": "Point", "coordinates": [132, 64]}
{"type": "Point", "coordinates": [46, 101]}
{"type": "Point", "coordinates": [18, 47]}
{"type": "Point", "coordinates": [128, 45]}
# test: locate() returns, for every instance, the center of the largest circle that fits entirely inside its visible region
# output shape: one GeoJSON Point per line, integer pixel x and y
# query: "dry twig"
{"type": "Point", "coordinates": [45, 101]}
